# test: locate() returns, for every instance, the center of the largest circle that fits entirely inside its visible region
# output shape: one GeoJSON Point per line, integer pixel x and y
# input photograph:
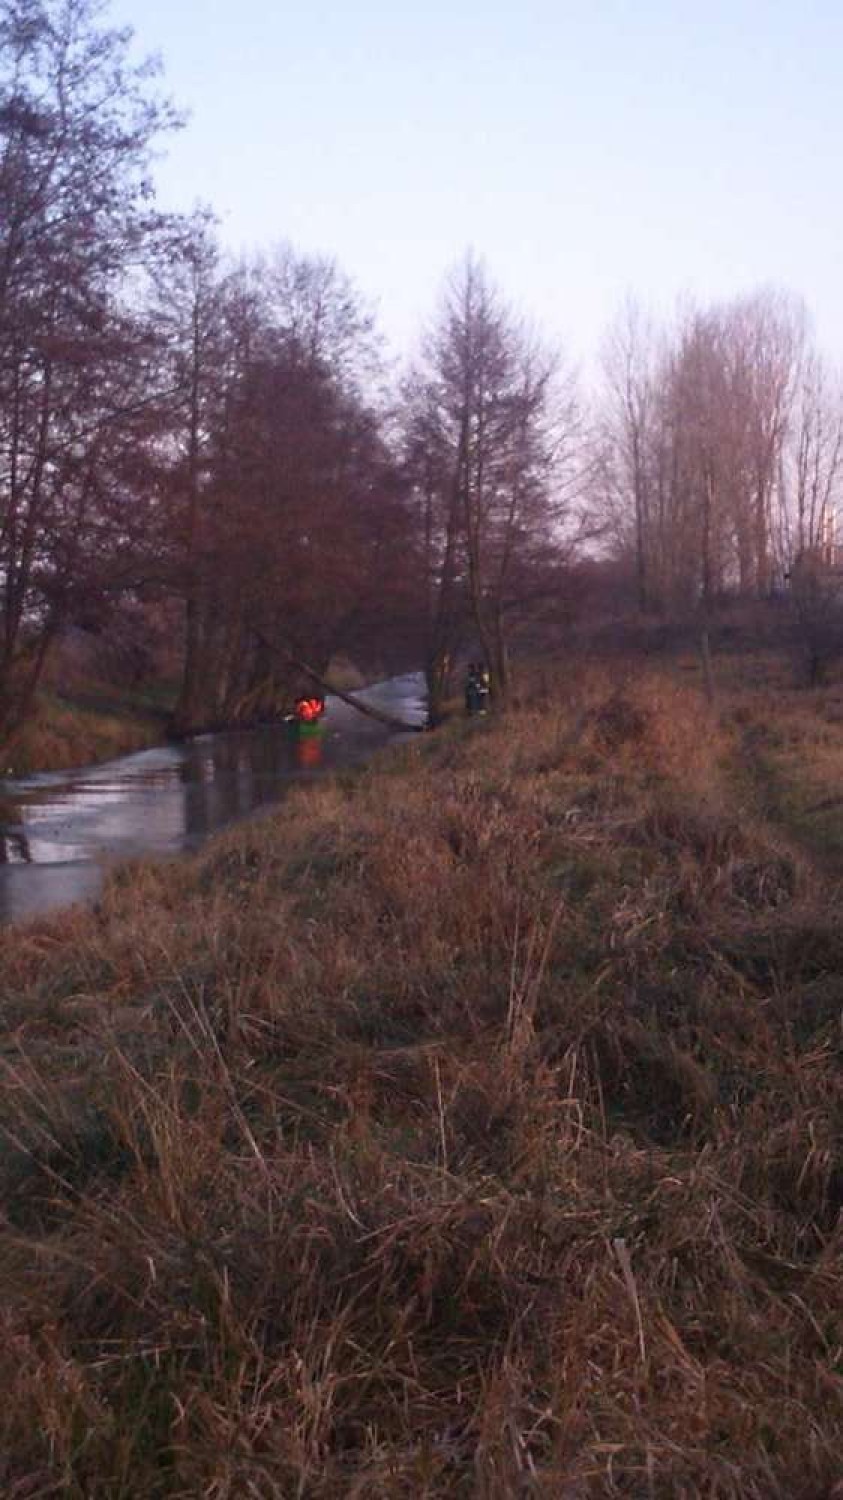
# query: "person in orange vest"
{"type": "Point", "coordinates": [308, 709]}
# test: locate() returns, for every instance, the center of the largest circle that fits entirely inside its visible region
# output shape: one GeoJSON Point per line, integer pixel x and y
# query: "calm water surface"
{"type": "Point", "coordinates": [60, 831]}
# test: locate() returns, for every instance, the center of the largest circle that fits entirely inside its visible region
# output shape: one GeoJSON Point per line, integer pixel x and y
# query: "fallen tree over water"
{"type": "Point", "coordinates": [352, 699]}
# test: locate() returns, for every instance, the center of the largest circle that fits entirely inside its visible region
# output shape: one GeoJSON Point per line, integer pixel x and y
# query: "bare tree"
{"type": "Point", "coordinates": [319, 306]}
{"type": "Point", "coordinates": [435, 497]}
{"type": "Point", "coordinates": [628, 362]}
{"type": "Point", "coordinates": [770, 327]}
{"type": "Point", "coordinates": [811, 478]}
{"type": "Point", "coordinates": [811, 493]}
{"type": "Point", "coordinates": [76, 124]}
{"type": "Point", "coordinates": [698, 422]}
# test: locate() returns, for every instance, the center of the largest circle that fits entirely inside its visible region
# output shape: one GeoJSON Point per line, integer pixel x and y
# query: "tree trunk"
{"type": "Point", "coordinates": [437, 675]}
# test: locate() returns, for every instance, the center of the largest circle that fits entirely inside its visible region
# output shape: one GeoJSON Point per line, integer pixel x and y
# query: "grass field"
{"type": "Point", "coordinates": [472, 1127]}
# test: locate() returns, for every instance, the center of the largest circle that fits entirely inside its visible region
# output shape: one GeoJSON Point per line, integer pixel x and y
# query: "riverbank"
{"type": "Point", "coordinates": [82, 728]}
{"type": "Point", "coordinates": [59, 834]}
{"type": "Point", "coordinates": [93, 721]}
{"type": "Point", "coordinates": [472, 1126]}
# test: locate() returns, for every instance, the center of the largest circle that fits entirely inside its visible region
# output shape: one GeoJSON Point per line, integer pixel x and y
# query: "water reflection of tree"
{"type": "Point", "coordinates": [228, 775]}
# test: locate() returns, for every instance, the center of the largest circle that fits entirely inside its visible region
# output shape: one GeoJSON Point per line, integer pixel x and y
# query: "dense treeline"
{"type": "Point", "coordinates": [174, 427]}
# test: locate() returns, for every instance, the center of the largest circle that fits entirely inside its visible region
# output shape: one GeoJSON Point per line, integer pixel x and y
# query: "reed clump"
{"type": "Point", "coordinates": [472, 1127]}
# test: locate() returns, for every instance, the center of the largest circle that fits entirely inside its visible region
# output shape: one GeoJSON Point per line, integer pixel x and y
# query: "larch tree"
{"type": "Point", "coordinates": [490, 432]}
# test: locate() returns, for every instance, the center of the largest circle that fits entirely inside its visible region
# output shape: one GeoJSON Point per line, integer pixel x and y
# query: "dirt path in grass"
{"type": "Point", "coordinates": [794, 772]}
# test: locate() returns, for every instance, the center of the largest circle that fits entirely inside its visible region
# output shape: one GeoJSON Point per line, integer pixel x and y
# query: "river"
{"type": "Point", "coordinates": [60, 831]}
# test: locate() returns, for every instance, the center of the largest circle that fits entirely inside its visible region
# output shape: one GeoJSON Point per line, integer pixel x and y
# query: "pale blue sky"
{"type": "Point", "coordinates": [583, 149]}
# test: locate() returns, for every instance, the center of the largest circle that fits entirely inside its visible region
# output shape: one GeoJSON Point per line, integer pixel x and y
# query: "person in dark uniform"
{"type": "Point", "coordinates": [472, 696]}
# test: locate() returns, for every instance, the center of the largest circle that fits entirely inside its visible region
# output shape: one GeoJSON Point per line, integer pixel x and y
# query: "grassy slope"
{"type": "Point", "coordinates": [83, 727]}
{"type": "Point", "coordinates": [473, 1127]}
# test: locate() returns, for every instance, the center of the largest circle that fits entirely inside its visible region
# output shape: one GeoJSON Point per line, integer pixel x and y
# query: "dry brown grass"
{"type": "Point", "coordinates": [61, 734]}
{"type": "Point", "coordinates": [471, 1128]}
